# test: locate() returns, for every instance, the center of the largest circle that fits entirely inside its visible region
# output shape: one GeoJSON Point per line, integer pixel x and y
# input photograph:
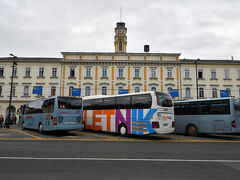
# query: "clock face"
{"type": "Point", "coordinates": [120, 31]}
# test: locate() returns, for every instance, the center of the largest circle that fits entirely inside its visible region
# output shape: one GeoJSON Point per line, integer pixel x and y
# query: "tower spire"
{"type": "Point", "coordinates": [120, 14]}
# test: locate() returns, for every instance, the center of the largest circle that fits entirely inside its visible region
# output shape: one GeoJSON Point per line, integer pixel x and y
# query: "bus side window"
{"type": "Point", "coordinates": [97, 103]}
{"type": "Point", "coordinates": [109, 103]}
{"type": "Point", "coordinates": [48, 106]}
{"type": "Point", "coordinates": [143, 101]}
{"type": "Point", "coordinates": [177, 108]}
{"type": "Point", "coordinates": [87, 105]}
{"type": "Point", "coordinates": [123, 102]}
{"type": "Point", "coordinates": [204, 107]}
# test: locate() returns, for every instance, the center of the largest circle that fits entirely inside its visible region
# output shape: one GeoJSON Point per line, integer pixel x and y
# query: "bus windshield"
{"type": "Point", "coordinates": [69, 103]}
{"type": "Point", "coordinates": [164, 100]}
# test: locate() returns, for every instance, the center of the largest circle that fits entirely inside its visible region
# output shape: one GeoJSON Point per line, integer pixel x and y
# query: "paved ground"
{"type": "Point", "coordinates": [26, 154]}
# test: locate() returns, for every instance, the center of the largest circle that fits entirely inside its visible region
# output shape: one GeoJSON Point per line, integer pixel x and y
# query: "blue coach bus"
{"type": "Point", "coordinates": [217, 115]}
{"type": "Point", "coordinates": [51, 114]}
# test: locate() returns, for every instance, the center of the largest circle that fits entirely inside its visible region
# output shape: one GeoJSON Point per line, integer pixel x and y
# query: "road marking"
{"type": "Point", "coordinates": [26, 133]}
{"type": "Point", "coordinates": [125, 159]}
{"type": "Point", "coordinates": [96, 135]}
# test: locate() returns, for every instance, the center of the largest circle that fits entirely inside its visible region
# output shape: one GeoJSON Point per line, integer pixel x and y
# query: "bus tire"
{"type": "Point", "coordinates": [40, 128]}
{"type": "Point", "coordinates": [192, 130]}
{"type": "Point", "coordinates": [122, 130]}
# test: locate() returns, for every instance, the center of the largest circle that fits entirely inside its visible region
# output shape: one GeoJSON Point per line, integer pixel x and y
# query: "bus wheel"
{"type": "Point", "coordinates": [40, 128]}
{"type": "Point", "coordinates": [192, 130]}
{"type": "Point", "coordinates": [122, 130]}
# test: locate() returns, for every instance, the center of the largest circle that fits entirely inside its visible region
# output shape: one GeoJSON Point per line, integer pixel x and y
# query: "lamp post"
{"type": "Point", "coordinates": [196, 69]}
{"type": "Point", "coordinates": [10, 99]}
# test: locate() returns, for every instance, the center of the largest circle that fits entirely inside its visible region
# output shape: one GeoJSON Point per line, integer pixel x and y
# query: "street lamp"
{"type": "Point", "coordinates": [10, 99]}
{"type": "Point", "coordinates": [196, 69]}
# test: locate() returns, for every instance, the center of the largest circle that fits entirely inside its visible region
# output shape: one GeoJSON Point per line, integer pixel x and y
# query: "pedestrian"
{"type": "Point", "coordinates": [1, 121]}
{"type": "Point", "coordinates": [14, 119]}
{"type": "Point", "coordinates": [6, 124]}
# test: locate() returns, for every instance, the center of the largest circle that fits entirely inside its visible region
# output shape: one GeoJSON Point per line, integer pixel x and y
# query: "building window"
{"type": "Point", "coordinates": [229, 91]}
{"type": "Point", "coordinates": [27, 72]}
{"type": "Point", "coordinates": [72, 72]}
{"type": "Point", "coordinates": [120, 46]}
{"type": "Point", "coordinates": [169, 73]}
{"type": "Point", "coordinates": [201, 92]}
{"type": "Point", "coordinates": [41, 91]}
{"type": "Point", "coordinates": [70, 90]}
{"type": "Point", "coordinates": [227, 73]}
{"type": "Point", "coordinates": [1, 71]}
{"type": "Point", "coordinates": [120, 72]}
{"type": "Point", "coordinates": [137, 89]}
{"type": "Point", "coordinates": [137, 73]}
{"type": "Point", "coordinates": [41, 72]}
{"type": "Point", "coordinates": [54, 72]}
{"type": "Point", "coordinates": [187, 73]}
{"type": "Point", "coordinates": [214, 92]}
{"type": "Point", "coordinates": [200, 73]}
{"type": "Point", "coordinates": [88, 72]}
{"type": "Point", "coordinates": [153, 72]}
{"type": "Point", "coordinates": [104, 90]}
{"type": "Point", "coordinates": [87, 91]}
{"type": "Point", "coordinates": [153, 89]}
{"type": "Point", "coordinates": [15, 71]}
{"type": "Point", "coordinates": [238, 72]}
{"type": "Point", "coordinates": [120, 89]}
{"type": "Point", "coordinates": [53, 91]}
{"type": "Point", "coordinates": [169, 89]}
{"type": "Point", "coordinates": [188, 92]}
{"type": "Point", "coordinates": [104, 72]}
{"type": "Point", "coordinates": [0, 90]}
{"type": "Point", "coordinates": [13, 90]}
{"type": "Point", "coordinates": [213, 74]}
{"type": "Point", "coordinates": [26, 91]}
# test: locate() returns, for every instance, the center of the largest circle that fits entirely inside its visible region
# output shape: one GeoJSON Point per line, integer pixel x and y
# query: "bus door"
{"type": "Point", "coordinates": [48, 109]}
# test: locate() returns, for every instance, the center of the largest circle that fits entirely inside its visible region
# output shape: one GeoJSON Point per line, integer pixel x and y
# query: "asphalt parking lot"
{"type": "Point", "coordinates": [16, 133]}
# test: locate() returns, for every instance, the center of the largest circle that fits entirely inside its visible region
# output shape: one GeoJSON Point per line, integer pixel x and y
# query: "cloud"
{"type": "Point", "coordinates": [197, 29]}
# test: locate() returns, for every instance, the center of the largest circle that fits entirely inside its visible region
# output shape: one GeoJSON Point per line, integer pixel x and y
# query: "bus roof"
{"type": "Point", "coordinates": [106, 96]}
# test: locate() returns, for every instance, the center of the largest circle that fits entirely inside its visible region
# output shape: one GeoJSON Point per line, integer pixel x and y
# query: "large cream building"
{"type": "Point", "coordinates": [108, 73]}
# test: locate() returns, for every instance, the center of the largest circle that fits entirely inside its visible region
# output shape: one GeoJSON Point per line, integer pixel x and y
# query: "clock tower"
{"type": "Point", "coordinates": [120, 42]}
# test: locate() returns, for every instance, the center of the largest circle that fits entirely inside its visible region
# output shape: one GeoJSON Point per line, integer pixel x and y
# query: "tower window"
{"type": "Point", "coordinates": [120, 46]}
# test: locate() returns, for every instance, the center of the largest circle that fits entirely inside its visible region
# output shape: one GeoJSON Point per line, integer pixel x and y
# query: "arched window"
{"type": "Point", "coordinates": [119, 89]}
{"type": "Point", "coordinates": [169, 89]}
{"type": "Point", "coordinates": [104, 90]}
{"type": "Point", "coordinates": [229, 91]}
{"type": "Point", "coordinates": [70, 90]}
{"type": "Point", "coordinates": [53, 91]}
{"type": "Point", "coordinates": [188, 92]}
{"type": "Point", "coordinates": [153, 89]}
{"type": "Point", "coordinates": [26, 91]}
{"type": "Point", "coordinates": [214, 92]}
{"type": "Point", "coordinates": [87, 91]}
{"type": "Point", "coordinates": [201, 92]}
{"type": "Point", "coordinates": [0, 90]}
{"type": "Point", "coordinates": [137, 89]}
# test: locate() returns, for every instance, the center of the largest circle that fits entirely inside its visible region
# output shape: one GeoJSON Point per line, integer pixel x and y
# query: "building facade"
{"type": "Point", "coordinates": [108, 73]}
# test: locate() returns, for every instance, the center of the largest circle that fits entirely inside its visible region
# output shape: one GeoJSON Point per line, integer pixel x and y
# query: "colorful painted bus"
{"type": "Point", "coordinates": [137, 113]}
{"type": "Point", "coordinates": [51, 114]}
{"type": "Point", "coordinates": [217, 115]}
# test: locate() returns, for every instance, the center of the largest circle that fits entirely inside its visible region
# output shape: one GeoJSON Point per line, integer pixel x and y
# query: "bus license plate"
{"type": "Point", "coordinates": [70, 122]}
{"type": "Point", "coordinates": [165, 124]}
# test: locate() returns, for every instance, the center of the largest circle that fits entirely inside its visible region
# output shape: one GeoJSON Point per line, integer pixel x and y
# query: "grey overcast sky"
{"type": "Point", "coordinates": [205, 29]}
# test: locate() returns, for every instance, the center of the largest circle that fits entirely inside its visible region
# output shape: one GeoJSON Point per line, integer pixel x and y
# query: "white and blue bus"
{"type": "Point", "coordinates": [52, 114]}
{"type": "Point", "coordinates": [217, 115]}
{"type": "Point", "coordinates": [135, 113]}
